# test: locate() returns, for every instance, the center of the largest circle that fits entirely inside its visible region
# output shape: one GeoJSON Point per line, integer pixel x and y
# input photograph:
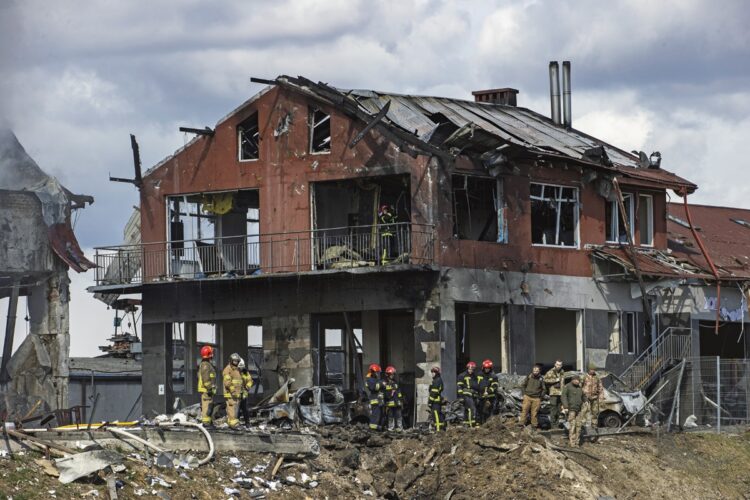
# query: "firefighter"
{"type": "Point", "coordinates": [436, 399]}
{"type": "Point", "coordinates": [206, 384]}
{"type": "Point", "coordinates": [247, 384]}
{"type": "Point", "coordinates": [554, 380]}
{"type": "Point", "coordinates": [468, 389]}
{"type": "Point", "coordinates": [394, 400]}
{"type": "Point", "coordinates": [375, 391]}
{"type": "Point", "coordinates": [233, 388]}
{"type": "Point", "coordinates": [487, 391]}
{"type": "Point", "coordinates": [387, 218]}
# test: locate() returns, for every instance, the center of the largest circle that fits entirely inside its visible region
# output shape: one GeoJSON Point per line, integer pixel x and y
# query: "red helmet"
{"type": "Point", "coordinates": [471, 364]}
{"type": "Point", "coordinates": [207, 352]}
{"type": "Point", "coordinates": [435, 370]}
{"type": "Point", "coordinates": [487, 364]}
{"type": "Point", "coordinates": [375, 368]}
{"type": "Point", "coordinates": [390, 370]}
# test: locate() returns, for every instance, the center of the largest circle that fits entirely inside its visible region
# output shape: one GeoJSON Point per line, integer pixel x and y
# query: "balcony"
{"type": "Point", "coordinates": [253, 255]}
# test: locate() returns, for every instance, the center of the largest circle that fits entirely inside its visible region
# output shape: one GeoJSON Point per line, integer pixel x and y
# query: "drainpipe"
{"type": "Point", "coordinates": [683, 193]}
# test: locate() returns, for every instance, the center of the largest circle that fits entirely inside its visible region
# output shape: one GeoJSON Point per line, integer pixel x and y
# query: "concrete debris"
{"type": "Point", "coordinates": [691, 422]}
{"type": "Point", "coordinates": [85, 463]}
{"type": "Point", "coordinates": [231, 491]}
{"type": "Point", "coordinates": [156, 480]}
{"type": "Point", "coordinates": [48, 467]}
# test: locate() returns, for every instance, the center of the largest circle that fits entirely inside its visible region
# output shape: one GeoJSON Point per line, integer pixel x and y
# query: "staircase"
{"type": "Point", "coordinates": [667, 347]}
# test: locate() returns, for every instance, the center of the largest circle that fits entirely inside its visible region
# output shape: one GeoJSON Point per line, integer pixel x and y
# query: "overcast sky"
{"type": "Point", "coordinates": [78, 77]}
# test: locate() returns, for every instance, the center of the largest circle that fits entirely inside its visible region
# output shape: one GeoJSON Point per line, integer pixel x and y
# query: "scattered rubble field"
{"type": "Point", "coordinates": [498, 460]}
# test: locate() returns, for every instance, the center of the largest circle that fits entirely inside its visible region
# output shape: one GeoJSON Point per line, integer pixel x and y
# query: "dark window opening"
{"type": "Point", "coordinates": [554, 215]}
{"type": "Point", "coordinates": [320, 131]}
{"type": "Point", "coordinates": [630, 332]}
{"type": "Point", "coordinates": [248, 134]}
{"type": "Point", "coordinates": [478, 209]}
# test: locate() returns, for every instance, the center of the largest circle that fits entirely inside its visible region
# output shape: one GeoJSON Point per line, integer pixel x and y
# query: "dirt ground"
{"type": "Point", "coordinates": [498, 460]}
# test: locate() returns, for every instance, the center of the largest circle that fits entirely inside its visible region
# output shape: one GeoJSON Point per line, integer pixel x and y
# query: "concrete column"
{"type": "Point", "coordinates": [370, 338]}
{"type": "Point", "coordinates": [158, 395]}
{"type": "Point", "coordinates": [231, 337]}
{"type": "Point", "coordinates": [287, 351]}
{"type": "Point", "coordinates": [428, 347]}
{"type": "Point", "coordinates": [448, 343]}
{"type": "Point", "coordinates": [522, 340]}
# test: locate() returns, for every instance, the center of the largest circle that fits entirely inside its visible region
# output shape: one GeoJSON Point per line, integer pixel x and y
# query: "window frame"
{"type": "Point", "coordinates": [576, 213]}
{"type": "Point", "coordinates": [311, 110]}
{"type": "Point", "coordinates": [500, 208]}
{"type": "Point", "coordinates": [650, 197]}
{"type": "Point", "coordinates": [240, 129]}
{"type": "Point", "coordinates": [615, 224]}
{"type": "Point", "coordinates": [626, 329]}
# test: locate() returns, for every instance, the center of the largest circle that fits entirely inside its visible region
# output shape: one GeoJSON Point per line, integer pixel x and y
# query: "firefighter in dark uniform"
{"type": "Point", "coordinates": [394, 400]}
{"type": "Point", "coordinates": [436, 399]}
{"type": "Point", "coordinates": [487, 391]}
{"type": "Point", "coordinates": [387, 218]}
{"type": "Point", "coordinates": [468, 389]}
{"type": "Point", "coordinates": [376, 395]}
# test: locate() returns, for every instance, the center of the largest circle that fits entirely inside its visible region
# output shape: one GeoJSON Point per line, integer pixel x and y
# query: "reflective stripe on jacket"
{"type": "Point", "coordinates": [374, 390]}
{"type": "Point", "coordinates": [487, 385]}
{"type": "Point", "coordinates": [206, 377]}
{"type": "Point", "coordinates": [468, 384]}
{"type": "Point", "coordinates": [232, 382]}
{"type": "Point", "coordinates": [436, 390]}
{"type": "Point", "coordinates": [393, 395]}
{"type": "Point", "coordinates": [247, 383]}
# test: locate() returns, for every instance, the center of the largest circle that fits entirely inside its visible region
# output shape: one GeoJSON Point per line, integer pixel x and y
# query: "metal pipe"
{"type": "Point", "coordinates": [554, 91]}
{"type": "Point", "coordinates": [567, 116]}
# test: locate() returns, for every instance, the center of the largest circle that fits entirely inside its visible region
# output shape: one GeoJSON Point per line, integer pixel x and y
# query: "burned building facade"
{"type": "Point", "coordinates": [350, 227]}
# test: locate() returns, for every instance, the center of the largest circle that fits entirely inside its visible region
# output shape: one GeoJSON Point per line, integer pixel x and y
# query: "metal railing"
{"type": "Point", "coordinates": [668, 346]}
{"type": "Point", "coordinates": [301, 251]}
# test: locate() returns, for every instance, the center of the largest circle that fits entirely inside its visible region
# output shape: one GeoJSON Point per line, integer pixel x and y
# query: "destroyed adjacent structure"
{"type": "Point", "coordinates": [358, 226]}
{"type": "Point", "coordinates": [37, 247]}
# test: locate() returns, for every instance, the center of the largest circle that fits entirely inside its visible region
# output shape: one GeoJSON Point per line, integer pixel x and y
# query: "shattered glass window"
{"type": "Point", "coordinates": [554, 215]}
{"type": "Point", "coordinates": [479, 209]}
{"type": "Point", "coordinates": [248, 135]}
{"type": "Point", "coordinates": [616, 230]}
{"type": "Point", "coordinates": [320, 131]}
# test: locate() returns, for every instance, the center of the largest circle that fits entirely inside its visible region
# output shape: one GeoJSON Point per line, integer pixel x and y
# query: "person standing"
{"type": "Point", "coordinates": [232, 388]}
{"type": "Point", "coordinates": [594, 391]}
{"type": "Point", "coordinates": [573, 400]}
{"type": "Point", "coordinates": [487, 391]}
{"type": "Point", "coordinates": [468, 389]}
{"type": "Point", "coordinates": [436, 399]}
{"type": "Point", "coordinates": [207, 384]}
{"type": "Point", "coordinates": [554, 379]}
{"type": "Point", "coordinates": [394, 401]}
{"type": "Point", "coordinates": [533, 390]}
{"type": "Point", "coordinates": [376, 395]}
{"type": "Point", "coordinates": [247, 384]}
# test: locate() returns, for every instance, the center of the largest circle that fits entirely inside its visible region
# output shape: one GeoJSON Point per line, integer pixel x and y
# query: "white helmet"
{"type": "Point", "coordinates": [241, 364]}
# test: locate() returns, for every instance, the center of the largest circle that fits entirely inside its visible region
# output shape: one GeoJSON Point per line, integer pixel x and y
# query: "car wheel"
{"type": "Point", "coordinates": [610, 420]}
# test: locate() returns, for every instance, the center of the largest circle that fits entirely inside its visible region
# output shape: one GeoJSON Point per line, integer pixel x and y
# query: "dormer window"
{"type": "Point", "coordinates": [320, 131]}
{"type": "Point", "coordinates": [248, 138]}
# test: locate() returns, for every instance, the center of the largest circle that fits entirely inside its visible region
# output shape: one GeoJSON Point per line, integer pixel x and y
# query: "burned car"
{"type": "Point", "coordinates": [318, 405]}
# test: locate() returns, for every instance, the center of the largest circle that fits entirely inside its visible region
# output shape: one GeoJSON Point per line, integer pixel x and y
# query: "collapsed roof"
{"type": "Point", "coordinates": [447, 127]}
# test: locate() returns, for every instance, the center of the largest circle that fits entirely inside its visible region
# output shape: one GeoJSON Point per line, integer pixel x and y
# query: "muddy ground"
{"type": "Point", "coordinates": [498, 460]}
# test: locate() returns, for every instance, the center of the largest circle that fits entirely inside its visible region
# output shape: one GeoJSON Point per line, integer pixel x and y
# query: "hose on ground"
{"type": "Point", "coordinates": [200, 428]}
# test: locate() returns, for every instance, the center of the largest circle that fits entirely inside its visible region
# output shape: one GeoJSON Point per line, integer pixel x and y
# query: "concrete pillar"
{"type": "Point", "coordinates": [522, 338]}
{"type": "Point", "coordinates": [428, 347]}
{"type": "Point", "coordinates": [156, 383]}
{"type": "Point", "coordinates": [287, 351]}
{"type": "Point", "coordinates": [231, 337]}
{"type": "Point", "coordinates": [448, 343]}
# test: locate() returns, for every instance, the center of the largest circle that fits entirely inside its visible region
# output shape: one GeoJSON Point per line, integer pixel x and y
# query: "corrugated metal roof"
{"type": "Point", "coordinates": [726, 241]}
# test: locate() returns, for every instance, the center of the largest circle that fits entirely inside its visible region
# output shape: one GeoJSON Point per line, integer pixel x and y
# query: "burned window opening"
{"type": "Point", "coordinates": [554, 215]}
{"type": "Point", "coordinates": [320, 131]}
{"type": "Point", "coordinates": [646, 219]}
{"type": "Point", "coordinates": [478, 209]}
{"type": "Point", "coordinates": [214, 233]}
{"type": "Point", "coordinates": [616, 230]}
{"type": "Point", "coordinates": [248, 135]}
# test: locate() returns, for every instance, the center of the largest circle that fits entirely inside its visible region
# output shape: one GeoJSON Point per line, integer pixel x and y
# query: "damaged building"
{"type": "Point", "coordinates": [358, 226]}
{"type": "Point", "coordinates": [37, 248]}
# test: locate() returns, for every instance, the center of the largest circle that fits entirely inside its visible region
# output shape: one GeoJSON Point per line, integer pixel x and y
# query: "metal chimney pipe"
{"type": "Point", "coordinates": [567, 116]}
{"type": "Point", "coordinates": [554, 91]}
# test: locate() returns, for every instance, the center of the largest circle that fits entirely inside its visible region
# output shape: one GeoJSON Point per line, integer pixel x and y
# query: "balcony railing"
{"type": "Point", "coordinates": [293, 252]}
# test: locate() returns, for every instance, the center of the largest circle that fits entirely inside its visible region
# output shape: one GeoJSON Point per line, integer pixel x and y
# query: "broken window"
{"type": "Point", "coordinates": [478, 209]}
{"type": "Point", "coordinates": [320, 131]}
{"type": "Point", "coordinates": [554, 215]}
{"type": "Point", "coordinates": [616, 230]}
{"type": "Point", "coordinates": [614, 333]}
{"type": "Point", "coordinates": [646, 219]}
{"type": "Point", "coordinates": [630, 331]}
{"type": "Point", "coordinates": [248, 136]}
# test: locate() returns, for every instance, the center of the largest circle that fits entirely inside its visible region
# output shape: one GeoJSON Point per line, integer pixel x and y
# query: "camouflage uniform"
{"type": "Point", "coordinates": [554, 381]}
{"type": "Point", "coordinates": [594, 391]}
{"type": "Point", "coordinates": [573, 400]}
